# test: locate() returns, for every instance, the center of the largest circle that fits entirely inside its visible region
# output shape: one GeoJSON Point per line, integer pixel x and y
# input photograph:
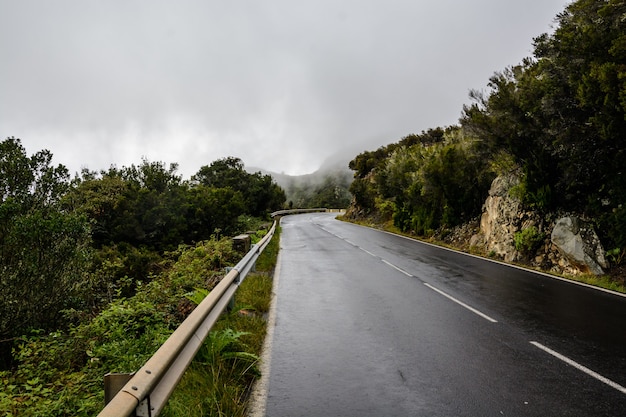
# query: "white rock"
{"type": "Point", "coordinates": [579, 244]}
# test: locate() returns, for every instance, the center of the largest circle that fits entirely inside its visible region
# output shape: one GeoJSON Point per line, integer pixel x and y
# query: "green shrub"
{"type": "Point", "coordinates": [528, 240]}
{"type": "Point", "coordinates": [61, 373]}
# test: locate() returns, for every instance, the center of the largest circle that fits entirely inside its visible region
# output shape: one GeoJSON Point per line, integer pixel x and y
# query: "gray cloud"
{"type": "Point", "coordinates": [280, 84]}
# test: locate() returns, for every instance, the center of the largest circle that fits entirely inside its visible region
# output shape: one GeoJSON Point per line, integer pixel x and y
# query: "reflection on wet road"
{"type": "Point", "coordinates": [372, 324]}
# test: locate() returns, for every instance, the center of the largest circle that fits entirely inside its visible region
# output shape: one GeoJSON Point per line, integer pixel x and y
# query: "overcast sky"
{"type": "Point", "coordinates": [281, 84]}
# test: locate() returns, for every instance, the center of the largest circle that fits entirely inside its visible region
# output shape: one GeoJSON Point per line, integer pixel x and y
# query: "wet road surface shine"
{"type": "Point", "coordinates": [371, 324]}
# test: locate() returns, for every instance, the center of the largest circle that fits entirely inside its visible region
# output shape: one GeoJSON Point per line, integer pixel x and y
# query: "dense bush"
{"type": "Point", "coordinates": [425, 183]}
{"type": "Point", "coordinates": [68, 248]}
{"type": "Point", "coordinates": [60, 373]}
{"type": "Point", "coordinates": [44, 250]}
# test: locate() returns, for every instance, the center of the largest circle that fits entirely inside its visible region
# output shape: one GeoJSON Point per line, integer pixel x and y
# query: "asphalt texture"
{"type": "Point", "coordinates": [372, 324]}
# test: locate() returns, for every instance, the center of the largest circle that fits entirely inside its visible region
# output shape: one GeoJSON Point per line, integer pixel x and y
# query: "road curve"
{"type": "Point", "coordinates": [368, 323]}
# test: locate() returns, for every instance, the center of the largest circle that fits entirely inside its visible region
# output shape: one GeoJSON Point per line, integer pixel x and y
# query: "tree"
{"type": "Point", "coordinates": [586, 59]}
{"type": "Point", "coordinates": [562, 115]}
{"type": "Point", "coordinates": [44, 250]}
{"type": "Point", "coordinates": [259, 192]}
{"type": "Point", "coordinates": [331, 193]}
{"type": "Point", "coordinates": [213, 211]}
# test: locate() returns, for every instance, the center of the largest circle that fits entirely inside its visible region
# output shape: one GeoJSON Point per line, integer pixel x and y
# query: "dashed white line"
{"type": "Point", "coordinates": [580, 367]}
{"type": "Point", "coordinates": [368, 252]}
{"type": "Point", "coordinates": [461, 303]}
{"type": "Point", "coordinates": [396, 268]}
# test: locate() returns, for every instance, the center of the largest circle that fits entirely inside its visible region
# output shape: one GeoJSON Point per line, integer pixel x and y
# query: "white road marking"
{"type": "Point", "coordinates": [461, 303]}
{"type": "Point", "coordinates": [580, 367]}
{"type": "Point", "coordinates": [396, 268]}
{"type": "Point", "coordinates": [368, 252]}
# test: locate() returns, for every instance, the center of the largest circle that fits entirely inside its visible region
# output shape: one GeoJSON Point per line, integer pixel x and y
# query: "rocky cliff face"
{"type": "Point", "coordinates": [570, 245]}
{"type": "Point", "coordinates": [500, 219]}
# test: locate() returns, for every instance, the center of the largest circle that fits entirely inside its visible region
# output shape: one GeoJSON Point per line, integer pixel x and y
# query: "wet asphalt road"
{"type": "Point", "coordinates": [372, 324]}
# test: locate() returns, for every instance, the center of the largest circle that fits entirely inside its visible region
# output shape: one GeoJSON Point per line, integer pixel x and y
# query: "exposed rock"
{"type": "Point", "coordinates": [579, 245]}
{"type": "Point", "coordinates": [500, 219]}
{"type": "Point", "coordinates": [477, 240]}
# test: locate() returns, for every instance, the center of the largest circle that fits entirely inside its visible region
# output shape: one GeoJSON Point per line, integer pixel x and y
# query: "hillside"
{"type": "Point", "coordinates": [555, 122]}
{"type": "Point", "coordinates": [326, 187]}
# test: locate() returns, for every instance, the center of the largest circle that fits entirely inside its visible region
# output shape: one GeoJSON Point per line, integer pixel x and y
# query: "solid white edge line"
{"type": "Point", "coordinates": [396, 268]}
{"type": "Point", "coordinates": [260, 390]}
{"type": "Point", "coordinates": [545, 274]}
{"type": "Point", "coordinates": [580, 367]}
{"type": "Point", "coordinates": [461, 303]}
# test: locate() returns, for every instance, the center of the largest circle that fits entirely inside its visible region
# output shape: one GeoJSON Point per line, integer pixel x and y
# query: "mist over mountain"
{"type": "Point", "coordinates": [328, 186]}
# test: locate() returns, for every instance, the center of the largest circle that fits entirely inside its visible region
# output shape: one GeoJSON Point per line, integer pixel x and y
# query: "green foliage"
{"type": "Point", "coordinates": [612, 226]}
{"type": "Point", "coordinates": [60, 373]}
{"type": "Point", "coordinates": [538, 199]}
{"type": "Point", "coordinates": [562, 114]}
{"type": "Point", "coordinates": [137, 213]}
{"type": "Point", "coordinates": [44, 250]}
{"type": "Point", "coordinates": [257, 236]}
{"type": "Point", "coordinates": [267, 260]}
{"type": "Point", "coordinates": [431, 180]}
{"type": "Point", "coordinates": [150, 206]}
{"type": "Point", "coordinates": [219, 380]}
{"type": "Point", "coordinates": [557, 118]}
{"type": "Point", "coordinates": [43, 256]}
{"type": "Point", "coordinates": [370, 161]}
{"type": "Point", "coordinates": [94, 272]}
{"type": "Point", "coordinates": [226, 346]}
{"type": "Point", "coordinates": [197, 295]}
{"type": "Point", "coordinates": [332, 193]}
{"type": "Point", "coordinates": [616, 255]}
{"type": "Point", "coordinates": [217, 383]}
{"type": "Point", "coordinates": [528, 240]}
{"type": "Point", "coordinates": [212, 210]}
{"type": "Point", "coordinates": [143, 205]}
{"type": "Point", "coordinates": [117, 269]}
{"type": "Point", "coordinates": [325, 188]}
{"type": "Point", "coordinates": [367, 161]}
{"type": "Point", "coordinates": [364, 194]}
{"type": "Point", "coordinates": [386, 208]}
{"type": "Point", "coordinates": [260, 194]}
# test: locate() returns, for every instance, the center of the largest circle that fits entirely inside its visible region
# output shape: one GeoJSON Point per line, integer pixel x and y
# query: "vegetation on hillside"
{"type": "Point", "coordinates": [60, 373]}
{"type": "Point", "coordinates": [558, 119]}
{"type": "Point", "coordinates": [94, 269]}
{"type": "Point", "coordinates": [327, 187]}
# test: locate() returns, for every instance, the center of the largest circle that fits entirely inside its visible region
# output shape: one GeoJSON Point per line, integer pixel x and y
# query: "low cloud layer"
{"type": "Point", "coordinates": [280, 84]}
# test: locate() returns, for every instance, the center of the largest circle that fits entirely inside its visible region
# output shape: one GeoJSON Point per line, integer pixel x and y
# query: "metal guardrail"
{"type": "Point", "coordinates": [148, 390]}
{"type": "Point", "coordinates": [297, 211]}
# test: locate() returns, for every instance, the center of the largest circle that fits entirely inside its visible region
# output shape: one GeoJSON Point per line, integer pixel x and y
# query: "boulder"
{"type": "Point", "coordinates": [579, 245]}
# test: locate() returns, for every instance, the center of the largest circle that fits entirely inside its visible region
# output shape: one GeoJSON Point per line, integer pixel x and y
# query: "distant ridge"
{"type": "Point", "coordinates": [328, 186]}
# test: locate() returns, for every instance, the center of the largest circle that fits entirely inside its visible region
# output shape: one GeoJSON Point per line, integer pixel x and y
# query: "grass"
{"type": "Point", "coordinates": [603, 281]}
{"type": "Point", "coordinates": [219, 380]}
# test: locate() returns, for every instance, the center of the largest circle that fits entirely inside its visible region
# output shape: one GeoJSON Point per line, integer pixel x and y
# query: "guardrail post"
{"type": "Point", "coordinates": [241, 243]}
{"type": "Point", "coordinates": [113, 383]}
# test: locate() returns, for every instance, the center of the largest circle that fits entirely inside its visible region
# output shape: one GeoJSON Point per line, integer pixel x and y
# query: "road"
{"type": "Point", "coordinates": [373, 324]}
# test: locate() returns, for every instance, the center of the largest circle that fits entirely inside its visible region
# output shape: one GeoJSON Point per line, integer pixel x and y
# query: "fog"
{"type": "Point", "coordinates": [283, 85]}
